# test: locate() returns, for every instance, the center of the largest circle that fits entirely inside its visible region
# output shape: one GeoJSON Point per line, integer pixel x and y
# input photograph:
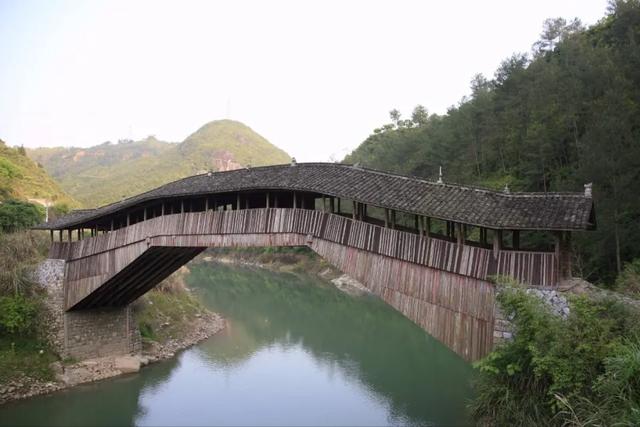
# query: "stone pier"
{"type": "Point", "coordinates": [84, 334]}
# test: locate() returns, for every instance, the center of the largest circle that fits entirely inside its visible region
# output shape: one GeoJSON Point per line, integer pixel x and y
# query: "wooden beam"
{"type": "Point", "coordinates": [459, 233]}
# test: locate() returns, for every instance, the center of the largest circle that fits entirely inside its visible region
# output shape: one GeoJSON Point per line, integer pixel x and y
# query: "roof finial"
{"type": "Point", "coordinates": [506, 189]}
{"type": "Point", "coordinates": [357, 165]}
{"type": "Point", "coordinates": [588, 190]}
{"type": "Point", "coordinates": [293, 161]}
{"type": "Point", "coordinates": [440, 176]}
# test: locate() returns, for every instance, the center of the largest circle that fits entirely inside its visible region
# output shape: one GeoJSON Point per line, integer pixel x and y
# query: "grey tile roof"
{"type": "Point", "coordinates": [475, 206]}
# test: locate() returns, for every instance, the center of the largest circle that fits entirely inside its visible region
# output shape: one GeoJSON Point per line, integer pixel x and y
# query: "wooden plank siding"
{"type": "Point", "coordinates": [532, 268]}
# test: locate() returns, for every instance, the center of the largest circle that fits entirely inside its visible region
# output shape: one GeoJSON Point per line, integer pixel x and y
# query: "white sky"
{"type": "Point", "coordinates": [314, 78]}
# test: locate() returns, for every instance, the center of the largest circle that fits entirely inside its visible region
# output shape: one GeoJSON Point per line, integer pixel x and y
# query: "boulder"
{"type": "Point", "coordinates": [127, 364]}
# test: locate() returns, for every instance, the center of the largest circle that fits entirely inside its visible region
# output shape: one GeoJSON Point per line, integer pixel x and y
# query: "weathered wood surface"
{"type": "Point", "coordinates": [532, 268]}
{"type": "Point", "coordinates": [440, 285]}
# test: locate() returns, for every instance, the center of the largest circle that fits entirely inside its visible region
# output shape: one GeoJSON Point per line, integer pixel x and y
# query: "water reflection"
{"type": "Point", "coordinates": [296, 352]}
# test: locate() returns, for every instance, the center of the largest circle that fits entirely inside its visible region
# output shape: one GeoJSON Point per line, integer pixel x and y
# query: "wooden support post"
{"type": "Point", "coordinates": [516, 239]}
{"type": "Point", "coordinates": [497, 242]}
{"type": "Point", "coordinates": [69, 234]}
{"type": "Point", "coordinates": [60, 235]}
{"type": "Point", "coordinates": [419, 220]}
{"type": "Point", "coordinates": [393, 219]}
{"type": "Point", "coordinates": [331, 205]}
{"type": "Point", "coordinates": [206, 203]}
{"type": "Point", "coordinates": [324, 203]}
{"type": "Point", "coordinates": [161, 209]}
{"type": "Point", "coordinates": [295, 205]}
{"type": "Point", "coordinates": [128, 219]}
{"type": "Point", "coordinates": [354, 209]}
{"type": "Point", "coordinates": [267, 200]}
{"type": "Point", "coordinates": [246, 204]}
{"type": "Point", "coordinates": [302, 203]}
{"type": "Point", "coordinates": [428, 227]}
{"type": "Point", "coordinates": [79, 238]}
{"type": "Point", "coordinates": [144, 214]}
{"type": "Point", "coordinates": [215, 204]}
{"type": "Point", "coordinates": [182, 206]}
{"type": "Point", "coordinates": [416, 224]}
{"type": "Point", "coordinates": [275, 200]}
{"type": "Point", "coordinates": [459, 236]}
{"type": "Point", "coordinates": [51, 232]}
{"type": "Point", "coordinates": [563, 254]}
{"type": "Point", "coordinates": [338, 211]}
{"type": "Point", "coordinates": [112, 218]}
{"type": "Point", "coordinates": [386, 218]}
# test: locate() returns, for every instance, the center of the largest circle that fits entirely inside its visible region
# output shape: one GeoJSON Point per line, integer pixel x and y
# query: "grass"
{"type": "Point", "coordinates": [25, 355]}
{"type": "Point", "coordinates": [164, 315]}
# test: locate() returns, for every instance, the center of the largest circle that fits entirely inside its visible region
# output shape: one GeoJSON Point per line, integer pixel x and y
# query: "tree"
{"type": "Point", "coordinates": [395, 116]}
{"type": "Point", "coordinates": [420, 115]}
{"type": "Point", "coordinates": [17, 215]}
{"type": "Point", "coordinates": [553, 31]}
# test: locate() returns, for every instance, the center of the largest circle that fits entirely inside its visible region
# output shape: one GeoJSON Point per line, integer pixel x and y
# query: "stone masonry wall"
{"type": "Point", "coordinates": [84, 334]}
{"type": "Point", "coordinates": [503, 327]}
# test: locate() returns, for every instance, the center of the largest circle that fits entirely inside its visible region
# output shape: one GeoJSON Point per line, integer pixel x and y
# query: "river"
{"type": "Point", "coordinates": [297, 351]}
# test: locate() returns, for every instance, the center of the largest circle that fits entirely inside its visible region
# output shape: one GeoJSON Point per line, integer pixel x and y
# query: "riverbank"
{"type": "Point", "coordinates": [286, 260]}
{"type": "Point", "coordinates": [172, 320]}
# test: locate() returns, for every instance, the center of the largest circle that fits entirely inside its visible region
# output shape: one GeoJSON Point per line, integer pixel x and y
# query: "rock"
{"type": "Point", "coordinates": [127, 364]}
{"type": "Point", "coordinates": [57, 368]}
{"type": "Point", "coordinates": [144, 361]}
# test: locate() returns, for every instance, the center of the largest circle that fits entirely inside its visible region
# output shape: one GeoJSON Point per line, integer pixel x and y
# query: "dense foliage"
{"type": "Point", "coordinates": [22, 350]}
{"type": "Point", "coordinates": [17, 215]}
{"type": "Point", "coordinates": [132, 167]}
{"type": "Point", "coordinates": [563, 116]}
{"type": "Point", "coordinates": [582, 370]}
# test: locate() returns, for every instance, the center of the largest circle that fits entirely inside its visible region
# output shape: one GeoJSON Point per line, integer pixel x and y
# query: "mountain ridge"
{"type": "Point", "coordinates": [111, 171]}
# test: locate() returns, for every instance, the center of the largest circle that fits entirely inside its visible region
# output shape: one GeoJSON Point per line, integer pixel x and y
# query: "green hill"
{"type": "Point", "coordinates": [109, 172]}
{"type": "Point", "coordinates": [22, 178]}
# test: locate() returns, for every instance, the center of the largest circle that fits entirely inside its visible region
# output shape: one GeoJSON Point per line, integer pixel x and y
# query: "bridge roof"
{"type": "Point", "coordinates": [464, 204]}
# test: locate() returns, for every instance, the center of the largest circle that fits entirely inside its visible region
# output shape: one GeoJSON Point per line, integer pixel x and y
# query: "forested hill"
{"type": "Point", "coordinates": [22, 178]}
{"type": "Point", "coordinates": [108, 172]}
{"type": "Point", "coordinates": [562, 116]}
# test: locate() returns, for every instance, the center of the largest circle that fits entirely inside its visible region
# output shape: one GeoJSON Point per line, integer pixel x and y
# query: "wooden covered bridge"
{"type": "Point", "coordinates": [426, 248]}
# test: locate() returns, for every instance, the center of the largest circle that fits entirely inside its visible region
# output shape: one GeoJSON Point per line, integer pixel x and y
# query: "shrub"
{"type": "Point", "coordinates": [561, 371]}
{"type": "Point", "coordinates": [17, 314]}
{"type": "Point", "coordinates": [629, 280]}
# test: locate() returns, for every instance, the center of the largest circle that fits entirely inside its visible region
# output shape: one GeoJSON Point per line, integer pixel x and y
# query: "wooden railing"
{"type": "Point", "coordinates": [532, 268]}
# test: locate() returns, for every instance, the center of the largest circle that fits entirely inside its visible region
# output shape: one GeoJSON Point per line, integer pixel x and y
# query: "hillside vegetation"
{"type": "Point", "coordinates": [22, 178]}
{"type": "Point", "coordinates": [110, 172]}
{"type": "Point", "coordinates": [565, 115]}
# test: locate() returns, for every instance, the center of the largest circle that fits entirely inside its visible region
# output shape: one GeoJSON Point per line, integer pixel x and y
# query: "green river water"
{"type": "Point", "coordinates": [296, 351]}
